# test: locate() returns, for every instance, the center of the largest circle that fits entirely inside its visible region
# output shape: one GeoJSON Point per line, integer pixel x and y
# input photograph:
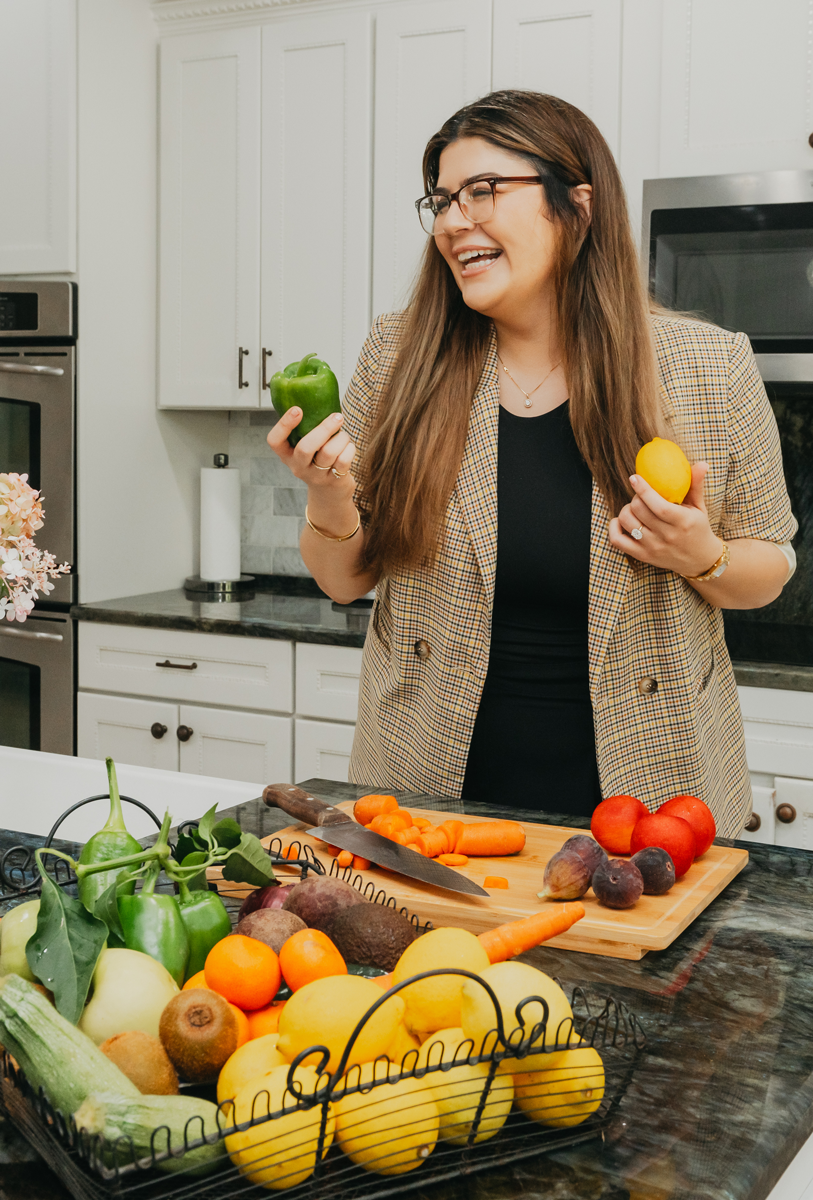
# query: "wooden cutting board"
{"type": "Point", "coordinates": [652, 924]}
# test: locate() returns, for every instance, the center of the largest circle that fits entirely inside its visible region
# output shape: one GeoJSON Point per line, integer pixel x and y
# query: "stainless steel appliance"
{"type": "Point", "coordinates": [37, 438]}
{"type": "Point", "coordinates": [738, 251]}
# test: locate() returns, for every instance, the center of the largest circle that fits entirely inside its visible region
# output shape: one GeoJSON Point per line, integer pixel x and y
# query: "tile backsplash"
{"type": "Point", "coordinates": [273, 500]}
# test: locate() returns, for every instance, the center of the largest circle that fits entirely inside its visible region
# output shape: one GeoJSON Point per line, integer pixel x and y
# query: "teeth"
{"type": "Point", "coordinates": [468, 255]}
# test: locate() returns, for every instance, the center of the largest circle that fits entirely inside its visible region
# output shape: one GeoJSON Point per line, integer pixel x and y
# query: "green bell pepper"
{"type": "Point", "coordinates": [312, 386]}
{"type": "Point", "coordinates": [112, 841]}
{"type": "Point", "coordinates": [153, 924]}
{"type": "Point", "coordinates": [207, 923]}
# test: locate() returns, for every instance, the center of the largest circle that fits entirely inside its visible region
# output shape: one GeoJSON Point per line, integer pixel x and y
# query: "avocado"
{"type": "Point", "coordinates": [372, 935]}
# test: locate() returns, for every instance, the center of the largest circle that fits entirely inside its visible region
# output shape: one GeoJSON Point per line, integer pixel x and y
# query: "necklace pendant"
{"type": "Point", "coordinates": [528, 402]}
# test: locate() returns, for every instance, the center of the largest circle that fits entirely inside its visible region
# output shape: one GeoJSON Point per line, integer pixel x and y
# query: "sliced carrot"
{"type": "Point", "coordinates": [361, 864]}
{"type": "Point", "coordinates": [453, 830]}
{"type": "Point", "coordinates": [495, 881]}
{"type": "Point", "coordinates": [422, 823]}
{"type": "Point", "coordinates": [516, 937]}
{"type": "Point", "coordinates": [345, 858]}
{"type": "Point", "coordinates": [432, 842]}
{"type": "Point", "coordinates": [389, 823]}
{"type": "Point", "coordinates": [290, 851]}
{"type": "Point", "coordinates": [410, 836]}
{"type": "Point", "coordinates": [454, 860]}
{"type": "Point", "coordinates": [368, 807]}
{"type": "Point", "coordinates": [491, 838]}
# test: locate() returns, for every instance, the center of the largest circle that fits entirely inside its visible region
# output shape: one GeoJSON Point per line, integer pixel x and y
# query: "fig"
{"type": "Point", "coordinates": [272, 896]}
{"type": "Point", "coordinates": [617, 883]}
{"type": "Point", "coordinates": [657, 870]}
{"type": "Point", "coordinates": [588, 849]}
{"type": "Point", "coordinates": [566, 877]}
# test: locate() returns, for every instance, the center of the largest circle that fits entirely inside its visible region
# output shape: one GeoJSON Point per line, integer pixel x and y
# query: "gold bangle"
{"type": "Point", "coordinates": [329, 536]}
{"type": "Point", "coordinates": [715, 571]}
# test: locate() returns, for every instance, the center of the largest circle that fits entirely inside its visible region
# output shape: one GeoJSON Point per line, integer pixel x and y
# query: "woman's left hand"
{"type": "Point", "coordinates": [675, 537]}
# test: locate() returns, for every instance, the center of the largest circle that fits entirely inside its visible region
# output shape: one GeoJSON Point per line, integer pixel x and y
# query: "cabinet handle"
{"type": "Point", "coordinates": [786, 813]}
{"type": "Point", "coordinates": [157, 730]}
{"type": "Point", "coordinates": [30, 636]}
{"type": "Point", "coordinates": [241, 353]}
{"type": "Point", "coordinates": [266, 355]}
{"type": "Point", "coordinates": [184, 733]}
{"type": "Point", "coordinates": [27, 369]}
{"type": "Point", "coordinates": [178, 666]}
{"type": "Point", "coordinates": [753, 823]}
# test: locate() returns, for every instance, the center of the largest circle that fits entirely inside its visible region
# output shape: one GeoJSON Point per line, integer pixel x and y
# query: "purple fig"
{"type": "Point", "coordinates": [566, 877]}
{"type": "Point", "coordinates": [617, 883]}
{"type": "Point", "coordinates": [657, 869]}
{"type": "Point", "coordinates": [588, 849]}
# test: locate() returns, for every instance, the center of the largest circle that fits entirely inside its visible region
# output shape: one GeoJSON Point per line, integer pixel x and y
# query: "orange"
{"type": "Point", "coordinates": [196, 981]}
{"type": "Point", "coordinates": [307, 955]}
{"type": "Point", "coordinates": [244, 971]}
{"type": "Point", "coordinates": [665, 468]}
{"type": "Point", "coordinates": [264, 1020]}
{"type": "Point", "coordinates": [243, 1030]}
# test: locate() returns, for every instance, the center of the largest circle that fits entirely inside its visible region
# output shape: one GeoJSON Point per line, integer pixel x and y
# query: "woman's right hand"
{"type": "Point", "coordinates": [322, 458]}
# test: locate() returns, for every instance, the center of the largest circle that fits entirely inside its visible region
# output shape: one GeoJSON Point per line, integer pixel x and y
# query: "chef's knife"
{"type": "Point", "coordinates": [334, 826]}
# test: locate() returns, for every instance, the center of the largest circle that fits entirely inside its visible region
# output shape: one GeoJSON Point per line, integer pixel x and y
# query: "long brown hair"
{"type": "Point", "coordinates": [417, 441]}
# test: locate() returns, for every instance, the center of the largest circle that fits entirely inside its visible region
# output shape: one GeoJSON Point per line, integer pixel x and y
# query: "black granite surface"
{"type": "Point", "coordinates": [723, 1098]}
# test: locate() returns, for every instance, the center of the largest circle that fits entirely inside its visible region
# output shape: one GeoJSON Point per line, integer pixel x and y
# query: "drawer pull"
{"type": "Point", "coordinates": [184, 733]}
{"type": "Point", "coordinates": [157, 730]}
{"type": "Point", "coordinates": [786, 813]}
{"type": "Point", "coordinates": [753, 823]}
{"type": "Point", "coordinates": [178, 666]}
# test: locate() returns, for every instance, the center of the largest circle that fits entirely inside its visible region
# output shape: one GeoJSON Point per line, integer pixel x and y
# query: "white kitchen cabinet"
{"type": "Point", "coordinates": [322, 750]}
{"type": "Point", "coordinates": [567, 48]}
{"type": "Point", "coordinates": [764, 809]}
{"type": "Point", "coordinates": [327, 681]}
{"type": "Point", "coordinates": [38, 136]}
{"type": "Point", "coordinates": [316, 189]}
{"type": "Point", "coordinates": [735, 86]}
{"type": "Point", "coordinates": [794, 813]}
{"type": "Point", "coordinates": [209, 295]}
{"type": "Point", "coordinates": [121, 727]}
{"type": "Point", "coordinates": [778, 731]}
{"type": "Point", "coordinates": [430, 60]}
{"type": "Point", "coordinates": [235, 745]}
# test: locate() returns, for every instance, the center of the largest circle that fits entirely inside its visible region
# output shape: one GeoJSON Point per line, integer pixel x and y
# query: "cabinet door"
{"type": "Point", "coordinates": [122, 729]}
{"type": "Point", "coordinates": [566, 48]}
{"type": "Point", "coordinates": [794, 813]}
{"type": "Point", "coordinates": [735, 86]}
{"type": "Point", "coordinates": [38, 135]}
{"type": "Point", "coordinates": [764, 798]}
{"type": "Point", "coordinates": [236, 745]}
{"type": "Point", "coordinates": [430, 60]}
{"type": "Point", "coordinates": [209, 292]}
{"type": "Point", "coordinates": [778, 731]}
{"type": "Point", "coordinates": [316, 198]}
{"type": "Point", "coordinates": [322, 750]}
{"type": "Point", "coordinates": [327, 681]}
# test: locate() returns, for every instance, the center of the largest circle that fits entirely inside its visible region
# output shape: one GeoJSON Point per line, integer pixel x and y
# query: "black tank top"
{"type": "Point", "coordinates": [533, 744]}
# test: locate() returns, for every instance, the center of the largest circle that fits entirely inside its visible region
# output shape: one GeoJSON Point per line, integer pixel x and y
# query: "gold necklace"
{"type": "Point", "coordinates": [527, 395]}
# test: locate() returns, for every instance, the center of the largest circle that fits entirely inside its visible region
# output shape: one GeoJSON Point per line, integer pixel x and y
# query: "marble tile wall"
{"type": "Point", "coordinates": [273, 499]}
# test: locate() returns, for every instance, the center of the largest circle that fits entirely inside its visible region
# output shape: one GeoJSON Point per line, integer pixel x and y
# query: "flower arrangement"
{"type": "Point", "coordinates": [25, 570]}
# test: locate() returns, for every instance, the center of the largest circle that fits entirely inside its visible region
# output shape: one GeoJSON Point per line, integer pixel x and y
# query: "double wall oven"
{"type": "Point", "coordinates": [37, 438]}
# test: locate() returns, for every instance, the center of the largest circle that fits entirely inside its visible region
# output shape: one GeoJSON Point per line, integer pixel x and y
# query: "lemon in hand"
{"type": "Point", "coordinates": [389, 1128]}
{"type": "Point", "coordinates": [566, 1092]}
{"type": "Point", "coordinates": [434, 1003]}
{"type": "Point", "coordinates": [665, 468]}
{"type": "Point", "coordinates": [458, 1090]}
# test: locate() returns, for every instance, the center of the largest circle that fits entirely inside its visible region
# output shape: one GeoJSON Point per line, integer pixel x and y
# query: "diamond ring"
{"type": "Point", "coordinates": [637, 533]}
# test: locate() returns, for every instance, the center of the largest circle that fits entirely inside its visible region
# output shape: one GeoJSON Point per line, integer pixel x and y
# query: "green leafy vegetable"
{"type": "Point", "coordinates": [249, 863]}
{"type": "Point", "coordinates": [227, 833]}
{"type": "Point", "coordinates": [196, 858]}
{"type": "Point", "coordinates": [206, 824]}
{"type": "Point", "coordinates": [186, 844]}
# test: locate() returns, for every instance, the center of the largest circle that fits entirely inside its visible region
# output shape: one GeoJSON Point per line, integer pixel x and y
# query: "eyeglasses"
{"type": "Point", "coordinates": [476, 201]}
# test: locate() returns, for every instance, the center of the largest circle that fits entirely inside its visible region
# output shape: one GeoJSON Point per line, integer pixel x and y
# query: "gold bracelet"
{"type": "Point", "coordinates": [715, 571]}
{"type": "Point", "coordinates": [329, 536]}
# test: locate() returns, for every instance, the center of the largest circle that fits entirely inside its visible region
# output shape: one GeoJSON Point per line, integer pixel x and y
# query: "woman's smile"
{"type": "Point", "coordinates": [474, 260]}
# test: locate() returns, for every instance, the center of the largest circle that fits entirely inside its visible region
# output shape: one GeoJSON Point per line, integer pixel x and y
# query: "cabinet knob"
{"type": "Point", "coordinates": [157, 730]}
{"type": "Point", "coordinates": [753, 823]}
{"type": "Point", "coordinates": [810, 140]}
{"type": "Point", "coordinates": [786, 813]}
{"type": "Point", "coordinates": [184, 733]}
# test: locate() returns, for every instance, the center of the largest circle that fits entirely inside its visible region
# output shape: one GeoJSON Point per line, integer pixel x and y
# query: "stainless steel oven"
{"type": "Point", "coordinates": [37, 438]}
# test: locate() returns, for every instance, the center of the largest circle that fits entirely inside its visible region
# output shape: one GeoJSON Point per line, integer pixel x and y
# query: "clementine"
{"type": "Point", "coordinates": [265, 1020]}
{"type": "Point", "coordinates": [198, 980]}
{"type": "Point", "coordinates": [309, 954]}
{"type": "Point", "coordinates": [243, 970]}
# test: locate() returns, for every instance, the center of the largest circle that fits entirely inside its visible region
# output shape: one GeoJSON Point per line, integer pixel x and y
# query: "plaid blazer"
{"type": "Point", "coordinates": [665, 706]}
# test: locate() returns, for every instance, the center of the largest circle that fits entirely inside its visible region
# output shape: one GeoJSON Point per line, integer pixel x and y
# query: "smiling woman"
{"type": "Point", "coordinates": [546, 626]}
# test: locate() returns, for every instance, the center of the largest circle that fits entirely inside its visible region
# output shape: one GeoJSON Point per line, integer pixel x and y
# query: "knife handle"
{"type": "Point", "coordinates": [303, 807]}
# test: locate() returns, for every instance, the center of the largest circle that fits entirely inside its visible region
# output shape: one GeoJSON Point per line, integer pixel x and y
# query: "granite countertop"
{"type": "Point", "coordinates": [721, 1101]}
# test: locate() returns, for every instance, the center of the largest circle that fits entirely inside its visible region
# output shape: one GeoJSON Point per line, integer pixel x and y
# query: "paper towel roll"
{"type": "Point", "coordinates": [219, 523]}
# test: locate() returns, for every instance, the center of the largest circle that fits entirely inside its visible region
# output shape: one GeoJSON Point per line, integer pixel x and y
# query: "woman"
{"type": "Point", "coordinates": [547, 628]}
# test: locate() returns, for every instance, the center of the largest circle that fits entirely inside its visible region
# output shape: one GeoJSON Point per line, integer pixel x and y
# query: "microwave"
{"type": "Point", "coordinates": [737, 250]}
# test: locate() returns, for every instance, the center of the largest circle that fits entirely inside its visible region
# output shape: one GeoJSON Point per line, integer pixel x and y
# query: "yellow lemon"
{"type": "Point", "coordinates": [512, 982]}
{"type": "Point", "coordinates": [665, 468]}
{"type": "Point", "coordinates": [567, 1092]}
{"type": "Point", "coordinates": [401, 1045]}
{"type": "Point", "coordinates": [280, 1152]}
{"type": "Point", "coordinates": [435, 1003]}
{"type": "Point", "coordinates": [257, 1057]}
{"type": "Point", "coordinates": [326, 1011]}
{"type": "Point", "coordinates": [459, 1089]}
{"type": "Point", "coordinates": [389, 1128]}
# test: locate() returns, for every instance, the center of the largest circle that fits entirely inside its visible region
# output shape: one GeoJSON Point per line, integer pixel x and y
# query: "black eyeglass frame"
{"type": "Point", "coordinates": [491, 180]}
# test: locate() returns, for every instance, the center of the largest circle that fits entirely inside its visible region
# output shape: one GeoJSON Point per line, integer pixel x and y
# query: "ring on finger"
{"type": "Point", "coordinates": [637, 533]}
{"type": "Point", "coordinates": [339, 474]}
{"type": "Point", "coordinates": [318, 468]}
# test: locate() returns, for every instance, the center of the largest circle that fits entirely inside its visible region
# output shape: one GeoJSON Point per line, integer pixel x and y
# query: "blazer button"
{"type": "Point", "coordinates": [423, 649]}
{"type": "Point", "coordinates": [647, 686]}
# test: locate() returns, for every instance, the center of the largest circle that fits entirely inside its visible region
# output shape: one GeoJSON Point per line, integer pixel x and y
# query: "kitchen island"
{"type": "Point", "coordinates": [722, 1099]}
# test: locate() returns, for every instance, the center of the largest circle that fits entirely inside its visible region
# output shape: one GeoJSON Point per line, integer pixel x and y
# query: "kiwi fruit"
{"type": "Point", "coordinates": [198, 1030]}
{"type": "Point", "coordinates": [270, 925]}
{"type": "Point", "coordinates": [144, 1061]}
{"type": "Point", "coordinates": [372, 935]}
{"type": "Point", "coordinates": [317, 900]}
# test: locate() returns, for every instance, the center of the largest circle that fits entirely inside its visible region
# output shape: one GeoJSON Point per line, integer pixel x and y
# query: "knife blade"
{"type": "Point", "coordinates": [334, 826]}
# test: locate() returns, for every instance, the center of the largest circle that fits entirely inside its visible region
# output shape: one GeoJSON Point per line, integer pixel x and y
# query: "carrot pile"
{"type": "Point", "coordinates": [451, 842]}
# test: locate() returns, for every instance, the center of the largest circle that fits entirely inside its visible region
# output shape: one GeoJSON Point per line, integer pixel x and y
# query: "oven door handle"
{"type": "Point", "coordinates": [19, 369]}
{"type": "Point", "coordinates": [30, 636]}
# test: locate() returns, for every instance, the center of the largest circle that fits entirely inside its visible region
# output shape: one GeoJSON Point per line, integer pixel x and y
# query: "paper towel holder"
{"type": "Point", "coordinates": [219, 590]}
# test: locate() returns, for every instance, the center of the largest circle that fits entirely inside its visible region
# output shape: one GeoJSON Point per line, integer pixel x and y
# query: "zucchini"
{"type": "Point", "coordinates": [155, 1124]}
{"type": "Point", "coordinates": [54, 1054]}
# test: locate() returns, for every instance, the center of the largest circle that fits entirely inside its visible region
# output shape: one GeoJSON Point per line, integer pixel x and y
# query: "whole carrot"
{"type": "Point", "coordinates": [371, 806]}
{"type": "Point", "coordinates": [483, 839]}
{"type": "Point", "coordinates": [506, 941]}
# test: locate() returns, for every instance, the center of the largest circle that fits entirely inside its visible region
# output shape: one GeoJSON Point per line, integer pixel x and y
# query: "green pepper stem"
{"type": "Point", "coordinates": [113, 864]}
{"type": "Point", "coordinates": [115, 820]}
{"type": "Point", "coordinates": [150, 880]}
{"type": "Point", "coordinates": [302, 369]}
{"type": "Point", "coordinates": [184, 894]}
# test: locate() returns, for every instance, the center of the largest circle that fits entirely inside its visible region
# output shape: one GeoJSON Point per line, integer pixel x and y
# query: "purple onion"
{"type": "Point", "coordinates": [272, 896]}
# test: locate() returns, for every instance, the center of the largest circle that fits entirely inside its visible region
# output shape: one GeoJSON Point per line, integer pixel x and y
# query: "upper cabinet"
{"type": "Point", "coordinates": [38, 135]}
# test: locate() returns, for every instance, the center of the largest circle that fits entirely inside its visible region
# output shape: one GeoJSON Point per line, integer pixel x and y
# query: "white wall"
{"type": "Point", "coordinates": [138, 469]}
